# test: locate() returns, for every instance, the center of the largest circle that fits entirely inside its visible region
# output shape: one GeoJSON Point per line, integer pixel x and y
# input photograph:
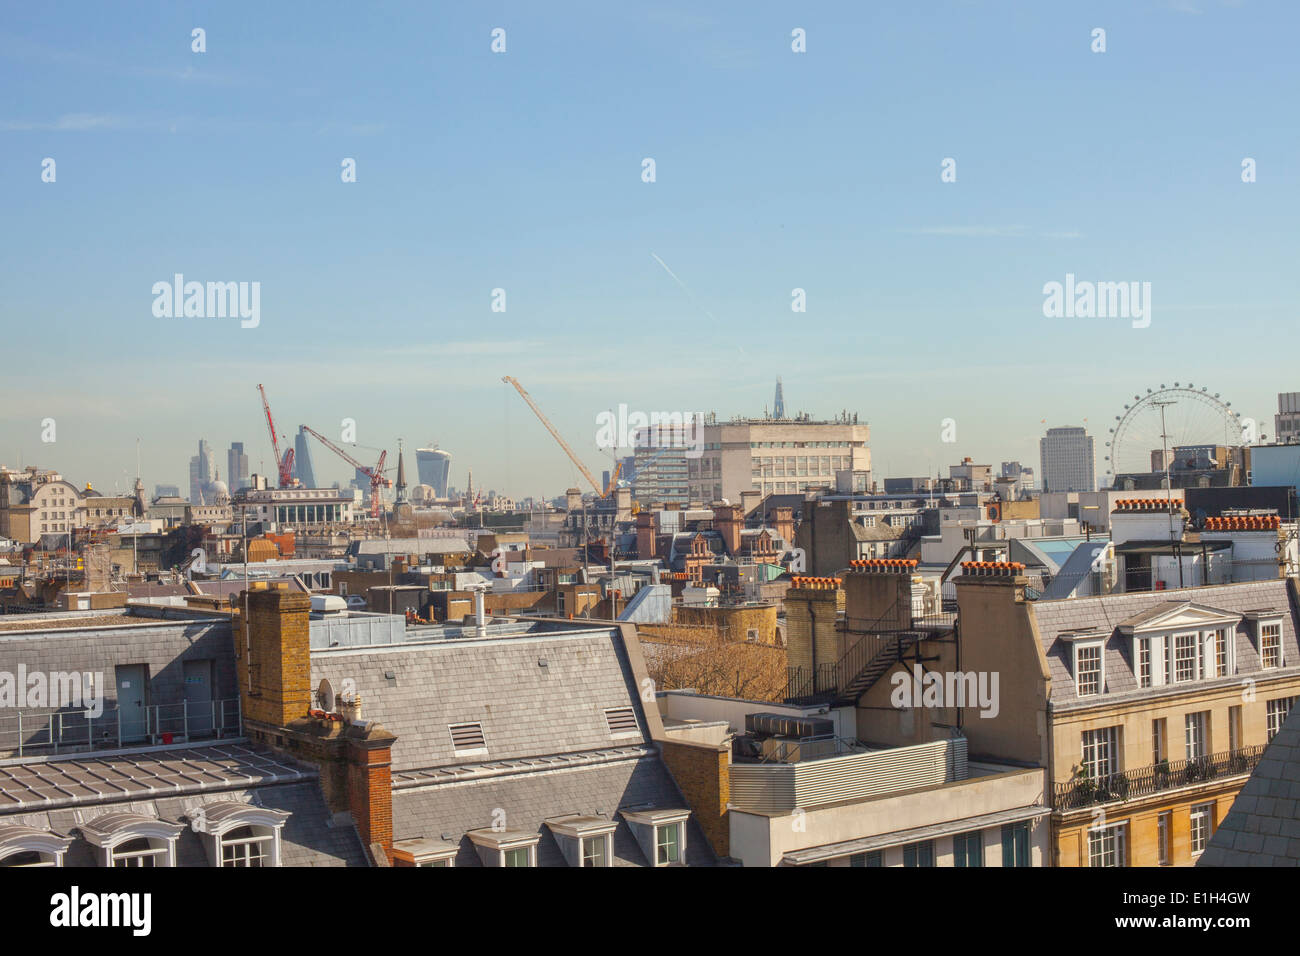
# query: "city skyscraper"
{"type": "Point", "coordinates": [1067, 459]}
{"type": "Point", "coordinates": [203, 467]}
{"type": "Point", "coordinates": [302, 466]}
{"type": "Point", "coordinates": [434, 467]}
{"type": "Point", "coordinates": [236, 466]}
{"type": "Point", "coordinates": [1286, 423]}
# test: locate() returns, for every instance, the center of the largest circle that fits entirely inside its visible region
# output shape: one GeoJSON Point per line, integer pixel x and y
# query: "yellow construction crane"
{"type": "Point", "coordinates": [602, 492]}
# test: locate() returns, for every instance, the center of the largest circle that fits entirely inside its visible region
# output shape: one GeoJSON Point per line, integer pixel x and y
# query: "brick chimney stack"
{"type": "Point", "coordinates": [272, 655]}
{"type": "Point", "coordinates": [783, 524]}
{"type": "Point", "coordinates": [811, 610]}
{"type": "Point", "coordinates": [728, 521]}
{"type": "Point", "coordinates": [274, 666]}
{"type": "Point", "coordinates": [645, 535]}
{"type": "Point", "coordinates": [878, 594]}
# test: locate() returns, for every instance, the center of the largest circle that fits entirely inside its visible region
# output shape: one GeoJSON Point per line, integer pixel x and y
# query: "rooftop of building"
{"type": "Point", "coordinates": [1261, 827]}
{"type": "Point", "coordinates": [1233, 606]}
{"type": "Point", "coordinates": [87, 796]}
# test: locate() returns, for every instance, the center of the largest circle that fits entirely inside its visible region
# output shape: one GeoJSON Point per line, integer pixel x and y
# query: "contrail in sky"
{"type": "Point", "coordinates": [673, 276]}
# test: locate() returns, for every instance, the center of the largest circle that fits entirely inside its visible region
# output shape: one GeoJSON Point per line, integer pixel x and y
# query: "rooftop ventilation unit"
{"type": "Point", "coordinates": [785, 725]}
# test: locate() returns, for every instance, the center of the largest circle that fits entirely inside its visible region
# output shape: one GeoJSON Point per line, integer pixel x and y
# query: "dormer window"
{"type": "Point", "coordinates": [1181, 643]}
{"type": "Point", "coordinates": [22, 846]}
{"type": "Point", "coordinates": [660, 833]}
{"type": "Point", "coordinates": [1270, 644]}
{"type": "Point", "coordinates": [505, 847]}
{"type": "Point", "coordinates": [584, 840]}
{"type": "Point", "coordinates": [422, 852]}
{"type": "Point", "coordinates": [668, 844]}
{"type": "Point", "coordinates": [133, 840]}
{"type": "Point", "coordinates": [1089, 666]}
{"type": "Point", "coordinates": [240, 834]}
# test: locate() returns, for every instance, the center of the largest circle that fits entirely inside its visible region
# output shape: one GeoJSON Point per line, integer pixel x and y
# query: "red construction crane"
{"type": "Point", "coordinates": [375, 474]}
{"type": "Point", "coordinates": [283, 465]}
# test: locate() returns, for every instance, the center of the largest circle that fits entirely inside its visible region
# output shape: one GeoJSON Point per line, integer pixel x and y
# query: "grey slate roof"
{"type": "Point", "coordinates": [528, 799]}
{"type": "Point", "coordinates": [310, 837]}
{"type": "Point", "coordinates": [61, 795]}
{"type": "Point", "coordinates": [1263, 826]}
{"type": "Point", "coordinates": [549, 750]}
{"type": "Point", "coordinates": [525, 709]}
{"type": "Point", "coordinates": [1108, 612]}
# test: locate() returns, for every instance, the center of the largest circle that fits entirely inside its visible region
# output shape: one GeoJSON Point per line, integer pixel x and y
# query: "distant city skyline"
{"type": "Point", "coordinates": [551, 458]}
{"type": "Point", "coordinates": [776, 171]}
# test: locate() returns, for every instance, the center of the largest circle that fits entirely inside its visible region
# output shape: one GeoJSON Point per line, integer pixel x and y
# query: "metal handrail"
{"type": "Point", "coordinates": [67, 731]}
{"type": "Point", "coordinates": [1084, 791]}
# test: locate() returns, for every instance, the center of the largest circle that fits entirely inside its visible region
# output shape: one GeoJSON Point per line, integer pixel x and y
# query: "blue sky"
{"type": "Point", "coordinates": [522, 171]}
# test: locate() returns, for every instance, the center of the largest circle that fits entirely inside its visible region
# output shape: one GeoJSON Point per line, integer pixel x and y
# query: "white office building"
{"type": "Point", "coordinates": [1068, 461]}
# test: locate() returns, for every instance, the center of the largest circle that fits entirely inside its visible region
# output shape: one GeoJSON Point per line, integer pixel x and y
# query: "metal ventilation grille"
{"type": "Point", "coordinates": [467, 736]}
{"type": "Point", "coordinates": [621, 720]}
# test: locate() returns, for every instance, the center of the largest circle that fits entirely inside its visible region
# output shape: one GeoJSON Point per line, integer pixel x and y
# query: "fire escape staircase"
{"type": "Point", "coordinates": [869, 660]}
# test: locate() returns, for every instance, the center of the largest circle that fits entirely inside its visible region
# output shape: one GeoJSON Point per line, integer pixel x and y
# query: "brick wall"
{"type": "Point", "coordinates": [275, 671]}
{"type": "Point", "coordinates": [738, 621]}
{"type": "Point", "coordinates": [811, 635]}
{"type": "Point", "coordinates": [370, 790]}
{"type": "Point", "coordinates": [703, 774]}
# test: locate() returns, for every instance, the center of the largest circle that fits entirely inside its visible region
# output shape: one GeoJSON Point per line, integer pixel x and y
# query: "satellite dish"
{"type": "Point", "coordinates": [325, 696]}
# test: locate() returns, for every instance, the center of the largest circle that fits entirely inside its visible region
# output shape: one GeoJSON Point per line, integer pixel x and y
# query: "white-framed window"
{"type": "Point", "coordinates": [1187, 657]}
{"type": "Point", "coordinates": [1100, 757]}
{"type": "Point", "coordinates": [1277, 711]}
{"type": "Point", "coordinates": [1108, 845]}
{"type": "Point", "coordinates": [1197, 734]}
{"type": "Point", "coordinates": [518, 856]}
{"type": "Point", "coordinates": [1222, 653]}
{"type": "Point", "coordinates": [1089, 668]}
{"type": "Point", "coordinates": [239, 834]}
{"type": "Point", "coordinates": [247, 846]}
{"type": "Point", "coordinates": [1270, 644]}
{"type": "Point", "coordinates": [1164, 837]}
{"type": "Point", "coordinates": [1144, 661]}
{"type": "Point", "coordinates": [668, 844]}
{"type": "Point", "coordinates": [139, 852]}
{"type": "Point", "coordinates": [595, 850]}
{"type": "Point", "coordinates": [127, 839]}
{"type": "Point", "coordinates": [1202, 826]}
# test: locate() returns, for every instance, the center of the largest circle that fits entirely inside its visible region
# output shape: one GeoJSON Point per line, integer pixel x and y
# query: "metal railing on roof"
{"type": "Point", "coordinates": [44, 733]}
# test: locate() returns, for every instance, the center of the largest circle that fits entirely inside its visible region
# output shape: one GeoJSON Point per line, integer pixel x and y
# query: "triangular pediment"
{"type": "Point", "coordinates": [1175, 615]}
